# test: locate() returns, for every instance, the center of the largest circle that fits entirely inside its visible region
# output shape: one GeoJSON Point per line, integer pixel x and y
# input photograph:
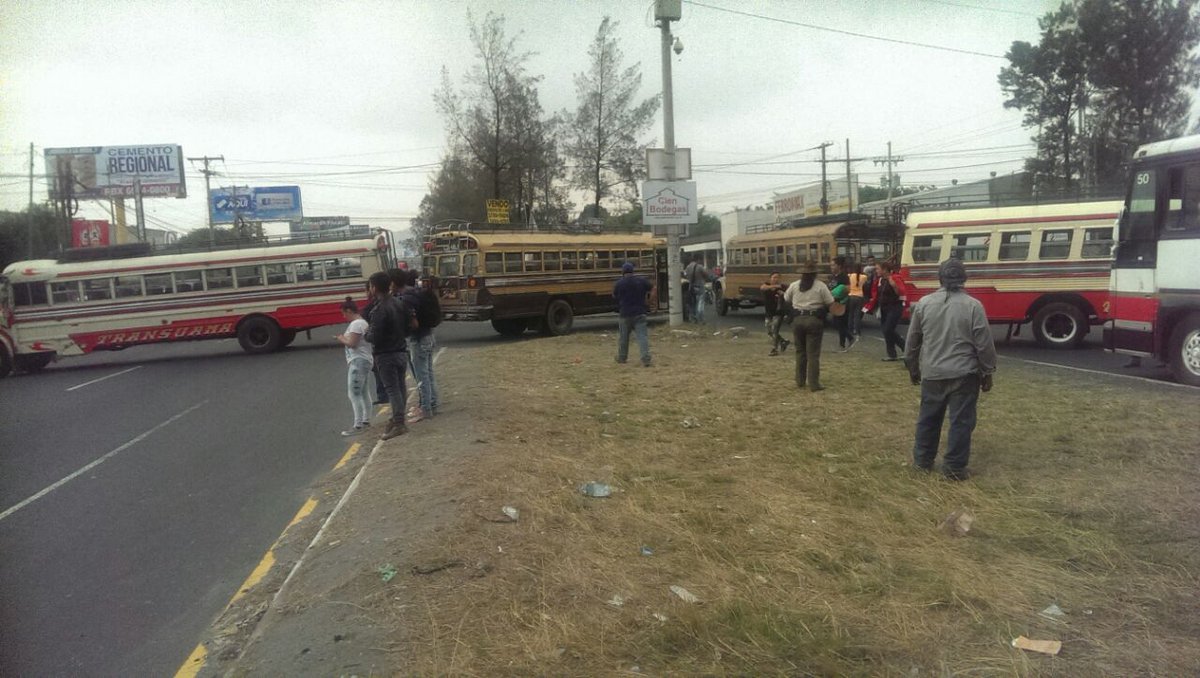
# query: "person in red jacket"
{"type": "Point", "coordinates": [887, 295]}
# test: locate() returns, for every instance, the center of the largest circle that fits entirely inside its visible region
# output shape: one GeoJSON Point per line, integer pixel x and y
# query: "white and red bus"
{"type": "Point", "coordinates": [1155, 285]}
{"type": "Point", "coordinates": [1045, 264]}
{"type": "Point", "coordinates": [262, 293]}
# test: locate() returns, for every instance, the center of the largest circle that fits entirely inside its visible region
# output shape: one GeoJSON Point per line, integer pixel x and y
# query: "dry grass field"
{"type": "Point", "coordinates": [813, 550]}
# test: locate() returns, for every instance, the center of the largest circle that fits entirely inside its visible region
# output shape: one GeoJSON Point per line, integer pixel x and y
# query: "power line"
{"type": "Point", "coordinates": [910, 43]}
{"type": "Point", "coordinates": [979, 7]}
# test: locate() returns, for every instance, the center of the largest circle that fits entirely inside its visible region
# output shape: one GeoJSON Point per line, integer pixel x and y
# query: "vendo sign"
{"type": "Point", "coordinates": [669, 202]}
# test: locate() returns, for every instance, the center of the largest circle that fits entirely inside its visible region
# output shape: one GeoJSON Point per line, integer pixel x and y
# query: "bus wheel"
{"type": "Point", "coordinates": [1059, 325]}
{"type": "Point", "coordinates": [1185, 351]}
{"type": "Point", "coordinates": [559, 318]}
{"type": "Point", "coordinates": [32, 362]}
{"type": "Point", "coordinates": [719, 301]}
{"type": "Point", "coordinates": [259, 335]}
{"type": "Point", "coordinates": [5, 363]}
{"type": "Point", "coordinates": [510, 327]}
{"type": "Point", "coordinates": [286, 337]}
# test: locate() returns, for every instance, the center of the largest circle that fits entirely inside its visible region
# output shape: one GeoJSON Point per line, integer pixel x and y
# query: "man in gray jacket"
{"type": "Point", "coordinates": [949, 352]}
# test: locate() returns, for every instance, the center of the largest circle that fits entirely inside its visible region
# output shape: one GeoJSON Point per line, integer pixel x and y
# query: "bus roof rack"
{"type": "Point", "coordinates": [475, 227]}
{"type": "Point", "coordinates": [842, 218]}
{"type": "Point", "coordinates": [141, 249]}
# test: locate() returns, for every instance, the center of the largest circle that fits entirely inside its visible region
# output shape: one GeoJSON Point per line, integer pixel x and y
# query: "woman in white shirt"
{"type": "Point", "coordinates": [358, 358]}
{"type": "Point", "coordinates": [810, 302]}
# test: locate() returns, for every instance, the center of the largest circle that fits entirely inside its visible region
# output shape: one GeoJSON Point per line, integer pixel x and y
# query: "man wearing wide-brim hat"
{"type": "Point", "coordinates": [810, 302]}
{"type": "Point", "coordinates": [950, 353]}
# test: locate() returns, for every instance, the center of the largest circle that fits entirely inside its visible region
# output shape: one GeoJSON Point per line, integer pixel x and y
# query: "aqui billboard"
{"type": "Point", "coordinates": [261, 203]}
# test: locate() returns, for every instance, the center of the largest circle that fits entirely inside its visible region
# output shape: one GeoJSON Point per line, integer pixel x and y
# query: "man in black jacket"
{"type": "Point", "coordinates": [387, 331]}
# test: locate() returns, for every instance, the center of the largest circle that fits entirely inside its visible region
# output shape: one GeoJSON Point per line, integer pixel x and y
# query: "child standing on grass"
{"type": "Point", "coordinates": [359, 362]}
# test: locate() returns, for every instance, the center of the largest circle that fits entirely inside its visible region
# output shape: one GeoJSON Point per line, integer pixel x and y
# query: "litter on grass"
{"type": "Point", "coordinates": [1053, 612]}
{"type": "Point", "coordinates": [387, 572]}
{"type": "Point", "coordinates": [595, 489]}
{"type": "Point", "coordinates": [684, 594]}
{"type": "Point", "coordinates": [958, 523]}
{"type": "Point", "coordinates": [1050, 647]}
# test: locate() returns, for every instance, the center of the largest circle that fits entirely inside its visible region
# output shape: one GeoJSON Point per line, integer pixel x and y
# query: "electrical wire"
{"type": "Point", "coordinates": [867, 36]}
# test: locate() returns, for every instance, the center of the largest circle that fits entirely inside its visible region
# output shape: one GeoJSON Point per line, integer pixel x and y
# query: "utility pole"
{"type": "Point", "coordinates": [889, 159]}
{"type": "Point", "coordinates": [29, 214]}
{"type": "Point", "coordinates": [139, 210]}
{"type": "Point", "coordinates": [824, 182]}
{"type": "Point", "coordinates": [212, 234]}
{"type": "Point", "coordinates": [665, 10]}
{"type": "Point", "coordinates": [849, 187]}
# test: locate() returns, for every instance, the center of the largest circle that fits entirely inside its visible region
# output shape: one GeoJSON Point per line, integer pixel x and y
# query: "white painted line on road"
{"type": "Point", "coordinates": [1156, 382]}
{"type": "Point", "coordinates": [96, 381]}
{"type": "Point", "coordinates": [108, 455]}
{"type": "Point", "coordinates": [438, 354]}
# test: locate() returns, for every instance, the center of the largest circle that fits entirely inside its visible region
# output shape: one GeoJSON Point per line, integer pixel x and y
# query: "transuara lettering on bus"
{"type": "Point", "coordinates": [164, 334]}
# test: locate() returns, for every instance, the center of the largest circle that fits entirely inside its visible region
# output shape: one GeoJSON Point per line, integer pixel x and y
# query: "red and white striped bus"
{"type": "Point", "coordinates": [262, 293]}
{"type": "Point", "coordinates": [1043, 264]}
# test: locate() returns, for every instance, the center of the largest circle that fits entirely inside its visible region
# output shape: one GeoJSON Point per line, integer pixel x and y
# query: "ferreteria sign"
{"type": "Point", "coordinates": [95, 172]}
{"type": "Point", "coordinates": [669, 202]}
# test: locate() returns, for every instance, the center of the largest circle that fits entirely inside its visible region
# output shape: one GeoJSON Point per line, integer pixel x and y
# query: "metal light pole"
{"type": "Point", "coordinates": [674, 300]}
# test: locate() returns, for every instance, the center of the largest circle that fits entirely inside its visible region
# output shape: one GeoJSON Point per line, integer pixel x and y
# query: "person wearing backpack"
{"type": "Point", "coordinates": [423, 298]}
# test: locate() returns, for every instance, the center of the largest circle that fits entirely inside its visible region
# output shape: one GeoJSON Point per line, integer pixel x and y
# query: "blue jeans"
{"type": "Point", "coordinates": [698, 307]}
{"type": "Point", "coordinates": [939, 397]}
{"type": "Point", "coordinates": [638, 324]}
{"type": "Point", "coordinates": [392, 368]}
{"type": "Point", "coordinates": [420, 353]}
{"type": "Point", "coordinates": [356, 388]}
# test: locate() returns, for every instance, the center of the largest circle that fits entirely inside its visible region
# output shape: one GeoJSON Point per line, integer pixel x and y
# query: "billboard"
{"type": "Point", "coordinates": [263, 203]}
{"type": "Point", "coordinates": [100, 172]}
{"type": "Point", "coordinates": [806, 200]}
{"type": "Point", "coordinates": [90, 233]}
{"type": "Point", "coordinates": [314, 224]}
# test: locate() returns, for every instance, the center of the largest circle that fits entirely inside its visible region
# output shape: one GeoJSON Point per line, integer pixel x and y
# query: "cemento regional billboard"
{"type": "Point", "coordinates": [98, 172]}
{"type": "Point", "coordinates": [806, 200]}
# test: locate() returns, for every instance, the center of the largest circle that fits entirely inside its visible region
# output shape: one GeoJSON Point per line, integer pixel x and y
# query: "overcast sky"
{"type": "Point", "coordinates": [332, 96]}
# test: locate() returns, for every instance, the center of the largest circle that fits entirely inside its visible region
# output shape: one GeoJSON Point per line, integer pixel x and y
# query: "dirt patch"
{"type": "Point", "coordinates": [789, 518]}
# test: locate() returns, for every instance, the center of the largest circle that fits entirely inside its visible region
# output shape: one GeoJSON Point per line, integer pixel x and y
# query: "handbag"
{"type": "Point", "coordinates": [837, 309]}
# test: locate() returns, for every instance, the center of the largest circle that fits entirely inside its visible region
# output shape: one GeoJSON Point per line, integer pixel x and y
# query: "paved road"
{"type": "Point", "coordinates": [210, 452]}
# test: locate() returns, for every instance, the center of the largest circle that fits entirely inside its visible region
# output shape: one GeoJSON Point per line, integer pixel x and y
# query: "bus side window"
{"type": "Point", "coordinates": [570, 261]}
{"type": "Point", "coordinates": [64, 292]}
{"type": "Point", "coordinates": [646, 261]}
{"type": "Point", "coordinates": [248, 276]}
{"type": "Point", "coordinates": [790, 255]}
{"type": "Point", "coordinates": [1097, 243]}
{"type": "Point", "coordinates": [1015, 246]}
{"type": "Point", "coordinates": [824, 252]}
{"type": "Point", "coordinates": [1183, 199]}
{"type": "Point", "coordinates": [971, 247]}
{"type": "Point", "coordinates": [493, 262]}
{"type": "Point", "coordinates": [308, 271]}
{"type": "Point", "coordinates": [129, 286]}
{"type": "Point", "coordinates": [602, 260]}
{"type": "Point", "coordinates": [550, 261]}
{"type": "Point", "coordinates": [189, 281]}
{"type": "Point", "coordinates": [1055, 245]}
{"type": "Point", "coordinates": [347, 267]}
{"type": "Point", "coordinates": [927, 248]}
{"type": "Point", "coordinates": [533, 261]}
{"type": "Point", "coordinates": [587, 260]}
{"type": "Point", "coordinates": [218, 278]}
{"type": "Point", "coordinates": [847, 249]}
{"type": "Point", "coordinates": [512, 262]}
{"type": "Point", "coordinates": [29, 294]}
{"type": "Point", "coordinates": [158, 283]}
{"type": "Point", "coordinates": [470, 265]}
{"type": "Point", "coordinates": [280, 274]}
{"type": "Point", "coordinates": [812, 252]}
{"type": "Point", "coordinates": [97, 289]}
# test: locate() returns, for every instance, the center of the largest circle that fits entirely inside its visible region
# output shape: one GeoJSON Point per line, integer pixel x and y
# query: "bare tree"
{"type": "Point", "coordinates": [603, 134]}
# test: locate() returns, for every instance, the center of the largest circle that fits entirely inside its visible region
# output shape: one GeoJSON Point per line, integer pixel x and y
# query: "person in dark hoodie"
{"type": "Point", "coordinates": [421, 344]}
{"type": "Point", "coordinates": [950, 354]}
{"type": "Point", "coordinates": [389, 325]}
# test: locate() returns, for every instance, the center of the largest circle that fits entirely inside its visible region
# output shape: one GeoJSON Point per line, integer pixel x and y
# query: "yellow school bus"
{"type": "Point", "coordinates": [752, 258]}
{"type": "Point", "coordinates": [521, 279]}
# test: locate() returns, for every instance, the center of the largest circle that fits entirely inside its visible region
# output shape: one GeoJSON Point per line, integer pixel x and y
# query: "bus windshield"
{"type": "Point", "coordinates": [1137, 222]}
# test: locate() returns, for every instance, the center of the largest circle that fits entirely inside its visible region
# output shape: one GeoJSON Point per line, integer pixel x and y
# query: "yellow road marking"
{"type": "Point", "coordinates": [199, 656]}
{"type": "Point", "coordinates": [194, 663]}
{"type": "Point", "coordinates": [349, 455]}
